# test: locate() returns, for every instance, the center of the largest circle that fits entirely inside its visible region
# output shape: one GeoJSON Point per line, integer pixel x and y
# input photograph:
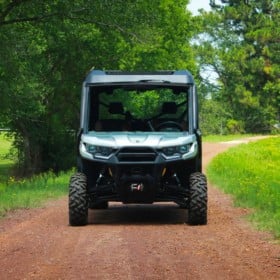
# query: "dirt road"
{"type": "Point", "coordinates": [137, 242]}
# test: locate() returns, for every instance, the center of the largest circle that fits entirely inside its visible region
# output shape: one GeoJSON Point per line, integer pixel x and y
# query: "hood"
{"type": "Point", "coordinates": [118, 140]}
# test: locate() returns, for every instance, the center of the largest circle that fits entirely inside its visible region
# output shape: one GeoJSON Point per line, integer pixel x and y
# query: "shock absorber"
{"type": "Point", "coordinates": [176, 179]}
{"type": "Point", "coordinates": [101, 175]}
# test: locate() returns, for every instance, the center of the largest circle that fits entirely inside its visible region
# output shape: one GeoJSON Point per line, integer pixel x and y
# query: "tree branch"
{"type": "Point", "coordinates": [73, 15]}
{"type": "Point", "coordinates": [39, 18]}
{"type": "Point", "coordinates": [13, 4]}
{"type": "Point", "coordinates": [109, 25]}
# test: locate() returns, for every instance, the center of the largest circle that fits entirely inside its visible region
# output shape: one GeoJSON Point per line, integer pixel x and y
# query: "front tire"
{"type": "Point", "coordinates": [78, 200]}
{"type": "Point", "coordinates": [198, 199]}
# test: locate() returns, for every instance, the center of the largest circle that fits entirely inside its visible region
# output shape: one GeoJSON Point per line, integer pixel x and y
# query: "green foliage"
{"type": "Point", "coordinates": [213, 117]}
{"type": "Point", "coordinates": [6, 161]}
{"type": "Point", "coordinates": [235, 126]}
{"type": "Point", "coordinates": [241, 45]}
{"type": "Point", "coordinates": [47, 48]}
{"type": "Point", "coordinates": [254, 185]}
{"type": "Point", "coordinates": [26, 193]}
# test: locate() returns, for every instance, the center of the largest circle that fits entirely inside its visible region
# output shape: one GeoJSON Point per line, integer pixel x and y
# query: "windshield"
{"type": "Point", "coordinates": [138, 108]}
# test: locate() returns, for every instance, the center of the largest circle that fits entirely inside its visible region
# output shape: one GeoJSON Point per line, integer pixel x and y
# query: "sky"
{"type": "Point", "coordinates": [198, 4]}
{"type": "Point", "coordinates": [194, 6]}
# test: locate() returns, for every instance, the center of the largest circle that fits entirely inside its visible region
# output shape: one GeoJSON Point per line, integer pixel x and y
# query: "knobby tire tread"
{"type": "Point", "coordinates": [78, 200]}
{"type": "Point", "coordinates": [198, 199]}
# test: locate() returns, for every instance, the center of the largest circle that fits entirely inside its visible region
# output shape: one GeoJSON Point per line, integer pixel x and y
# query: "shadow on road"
{"type": "Point", "coordinates": [139, 214]}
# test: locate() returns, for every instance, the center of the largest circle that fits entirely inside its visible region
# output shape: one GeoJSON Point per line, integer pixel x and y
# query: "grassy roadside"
{"type": "Point", "coordinates": [224, 138]}
{"type": "Point", "coordinates": [27, 193]}
{"type": "Point", "coordinates": [5, 163]}
{"type": "Point", "coordinates": [251, 173]}
{"type": "Point", "coordinates": [33, 192]}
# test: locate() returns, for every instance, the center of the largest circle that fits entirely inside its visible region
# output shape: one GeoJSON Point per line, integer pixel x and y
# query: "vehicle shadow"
{"type": "Point", "coordinates": [162, 213]}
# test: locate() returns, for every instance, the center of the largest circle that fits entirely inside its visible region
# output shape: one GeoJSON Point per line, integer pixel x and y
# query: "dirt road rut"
{"type": "Point", "coordinates": [137, 242]}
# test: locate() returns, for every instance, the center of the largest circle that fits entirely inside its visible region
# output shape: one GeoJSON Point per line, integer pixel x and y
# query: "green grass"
{"type": "Point", "coordinates": [33, 192]}
{"type": "Point", "coordinates": [224, 138]}
{"type": "Point", "coordinates": [27, 193]}
{"type": "Point", "coordinates": [251, 173]}
{"type": "Point", "coordinates": [5, 162]}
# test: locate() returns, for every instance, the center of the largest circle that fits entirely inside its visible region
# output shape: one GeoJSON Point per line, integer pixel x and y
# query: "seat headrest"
{"type": "Point", "coordinates": [116, 108]}
{"type": "Point", "coordinates": [169, 108]}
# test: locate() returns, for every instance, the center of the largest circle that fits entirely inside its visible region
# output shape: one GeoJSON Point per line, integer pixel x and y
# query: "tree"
{"type": "Point", "coordinates": [47, 49]}
{"type": "Point", "coordinates": [241, 44]}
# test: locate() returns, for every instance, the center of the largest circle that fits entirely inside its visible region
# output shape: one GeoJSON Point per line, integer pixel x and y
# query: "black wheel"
{"type": "Point", "coordinates": [98, 205]}
{"type": "Point", "coordinates": [78, 200]}
{"type": "Point", "coordinates": [198, 199]}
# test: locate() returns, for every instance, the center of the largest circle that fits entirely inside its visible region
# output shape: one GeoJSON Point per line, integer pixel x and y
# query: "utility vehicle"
{"type": "Point", "coordinates": [139, 142]}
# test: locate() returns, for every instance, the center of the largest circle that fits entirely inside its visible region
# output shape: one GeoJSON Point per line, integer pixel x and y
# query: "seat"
{"type": "Point", "coordinates": [169, 108]}
{"type": "Point", "coordinates": [116, 108]}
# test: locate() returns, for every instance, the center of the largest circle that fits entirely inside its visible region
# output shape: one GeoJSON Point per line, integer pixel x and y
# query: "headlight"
{"type": "Point", "coordinates": [185, 148]}
{"type": "Point", "coordinates": [176, 150]}
{"type": "Point", "coordinates": [170, 151]}
{"type": "Point", "coordinates": [90, 148]}
{"type": "Point", "coordinates": [98, 151]}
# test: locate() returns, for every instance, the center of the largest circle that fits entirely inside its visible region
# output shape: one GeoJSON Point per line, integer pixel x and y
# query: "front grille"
{"type": "Point", "coordinates": [136, 155]}
{"type": "Point", "coordinates": [138, 170]}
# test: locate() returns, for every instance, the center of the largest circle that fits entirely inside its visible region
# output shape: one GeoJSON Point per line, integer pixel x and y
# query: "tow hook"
{"type": "Point", "coordinates": [137, 187]}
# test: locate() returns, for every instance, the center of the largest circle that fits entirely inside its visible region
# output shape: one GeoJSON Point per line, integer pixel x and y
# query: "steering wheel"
{"type": "Point", "coordinates": [169, 124]}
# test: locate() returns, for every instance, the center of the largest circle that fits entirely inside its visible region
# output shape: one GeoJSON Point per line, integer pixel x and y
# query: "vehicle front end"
{"type": "Point", "coordinates": [139, 142]}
